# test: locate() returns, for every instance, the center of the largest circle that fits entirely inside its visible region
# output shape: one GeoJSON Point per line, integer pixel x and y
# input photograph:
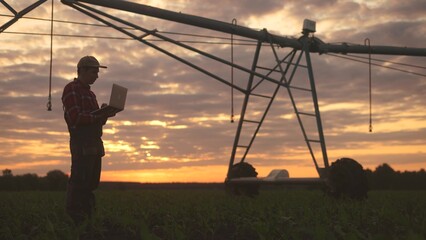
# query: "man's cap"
{"type": "Point", "coordinates": [89, 61]}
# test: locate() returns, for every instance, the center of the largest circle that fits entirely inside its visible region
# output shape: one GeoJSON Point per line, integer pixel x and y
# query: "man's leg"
{"type": "Point", "coordinates": [95, 175]}
{"type": "Point", "coordinates": [74, 203]}
{"type": "Point", "coordinates": [79, 190]}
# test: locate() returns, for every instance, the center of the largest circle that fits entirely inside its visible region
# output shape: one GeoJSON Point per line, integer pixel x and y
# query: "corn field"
{"type": "Point", "coordinates": [213, 214]}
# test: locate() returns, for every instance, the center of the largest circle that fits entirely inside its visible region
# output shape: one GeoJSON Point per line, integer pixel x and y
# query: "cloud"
{"type": "Point", "coordinates": [179, 118]}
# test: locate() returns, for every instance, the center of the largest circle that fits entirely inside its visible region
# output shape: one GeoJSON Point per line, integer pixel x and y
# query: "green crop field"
{"type": "Point", "coordinates": [213, 214]}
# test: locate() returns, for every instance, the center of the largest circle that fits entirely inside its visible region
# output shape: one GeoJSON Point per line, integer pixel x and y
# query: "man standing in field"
{"type": "Point", "coordinates": [86, 145]}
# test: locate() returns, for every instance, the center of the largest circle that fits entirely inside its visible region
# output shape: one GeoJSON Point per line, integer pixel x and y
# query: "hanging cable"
{"type": "Point", "coordinates": [234, 22]}
{"type": "Point", "coordinates": [49, 101]}
{"type": "Point", "coordinates": [367, 43]}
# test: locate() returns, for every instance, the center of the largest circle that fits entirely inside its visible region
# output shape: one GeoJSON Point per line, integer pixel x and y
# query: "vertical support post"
{"type": "Point", "coordinates": [244, 106]}
{"type": "Point", "coordinates": [315, 101]}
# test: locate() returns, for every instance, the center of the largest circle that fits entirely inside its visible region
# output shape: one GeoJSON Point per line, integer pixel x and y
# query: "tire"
{"type": "Point", "coordinates": [346, 178]}
{"type": "Point", "coordinates": [239, 170]}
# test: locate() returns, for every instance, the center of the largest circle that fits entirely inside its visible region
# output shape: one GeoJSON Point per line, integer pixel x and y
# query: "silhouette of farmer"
{"type": "Point", "coordinates": [86, 144]}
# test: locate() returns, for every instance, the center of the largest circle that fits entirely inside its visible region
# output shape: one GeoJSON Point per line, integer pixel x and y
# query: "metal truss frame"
{"type": "Point", "coordinates": [288, 60]}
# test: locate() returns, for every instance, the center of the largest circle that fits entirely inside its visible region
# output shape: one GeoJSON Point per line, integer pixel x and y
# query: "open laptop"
{"type": "Point", "coordinates": [116, 101]}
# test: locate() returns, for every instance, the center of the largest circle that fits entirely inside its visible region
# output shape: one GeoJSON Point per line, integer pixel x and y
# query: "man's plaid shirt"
{"type": "Point", "coordinates": [78, 102]}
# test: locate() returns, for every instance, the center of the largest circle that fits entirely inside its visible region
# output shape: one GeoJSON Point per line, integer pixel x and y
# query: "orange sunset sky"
{"type": "Point", "coordinates": [176, 126]}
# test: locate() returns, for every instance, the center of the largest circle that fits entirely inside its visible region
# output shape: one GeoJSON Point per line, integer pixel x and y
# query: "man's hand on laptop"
{"type": "Point", "coordinates": [108, 114]}
{"type": "Point", "coordinates": [105, 115]}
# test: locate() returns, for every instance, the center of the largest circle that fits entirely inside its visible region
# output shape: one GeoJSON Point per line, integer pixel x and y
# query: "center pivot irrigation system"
{"type": "Point", "coordinates": [345, 176]}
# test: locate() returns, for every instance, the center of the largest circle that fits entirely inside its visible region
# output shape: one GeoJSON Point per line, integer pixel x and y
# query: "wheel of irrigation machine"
{"type": "Point", "coordinates": [346, 178]}
{"type": "Point", "coordinates": [242, 169]}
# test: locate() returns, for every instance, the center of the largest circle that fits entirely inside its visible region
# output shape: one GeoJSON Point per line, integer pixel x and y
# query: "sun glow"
{"type": "Point", "coordinates": [184, 174]}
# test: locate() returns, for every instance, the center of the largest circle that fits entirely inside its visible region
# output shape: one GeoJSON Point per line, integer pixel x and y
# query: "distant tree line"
{"type": "Point", "coordinates": [384, 177]}
{"type": "Point", "coordinates": [55, 180]}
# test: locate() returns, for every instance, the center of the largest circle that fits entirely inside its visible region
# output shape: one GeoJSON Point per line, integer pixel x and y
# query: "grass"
{"type": "Point", "coordinates": [213, 214]}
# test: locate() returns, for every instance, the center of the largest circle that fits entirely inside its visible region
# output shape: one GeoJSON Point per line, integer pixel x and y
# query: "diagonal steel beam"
{"type": "Point", "coordinates": [20, 14]}
{"type": "Point", "coordinates": [79, 6]}
{"type": "Point", "coordinates": [189, 20]}
{"type": "Point", "coordinates": [90, 12]}
{"type": "Point", "coordinates": [316, 46]}
{"type": "Point", "coordinates": [8, 7]}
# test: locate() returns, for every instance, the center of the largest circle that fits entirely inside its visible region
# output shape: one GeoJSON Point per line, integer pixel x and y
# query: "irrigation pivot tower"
{"type": "Point", "coordinates": [282, 74]}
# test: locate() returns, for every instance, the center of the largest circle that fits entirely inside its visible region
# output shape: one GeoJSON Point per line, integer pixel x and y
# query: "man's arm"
{"type": "Point", "coordinates": [74, 109]}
